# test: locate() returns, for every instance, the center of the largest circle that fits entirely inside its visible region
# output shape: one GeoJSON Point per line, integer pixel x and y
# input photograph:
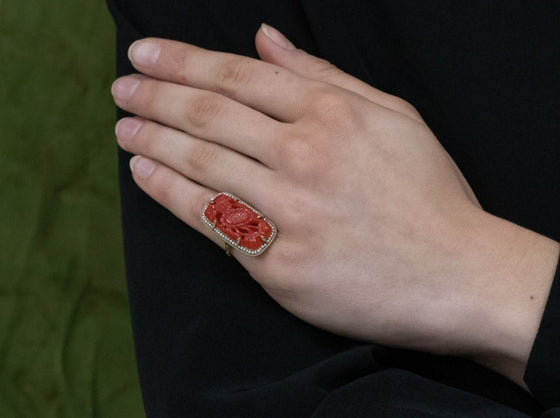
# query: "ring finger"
{"type": "Point", "coordinates": [183, 197]}
{"type": "Point", "coordinates": [207, 163]}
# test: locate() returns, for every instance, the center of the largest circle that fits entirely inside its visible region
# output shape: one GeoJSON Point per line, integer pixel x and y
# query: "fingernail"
{"type": "Point", "coordinates": [144, 53]}
{"type": "Point", "coordinates": [127, 128]}
{"type": "Point", "coordinates": [124, 87]}
{"type": "Point", "coordinates": [276, 37]}
{"type": "Point", "coordinates": [142, 167]}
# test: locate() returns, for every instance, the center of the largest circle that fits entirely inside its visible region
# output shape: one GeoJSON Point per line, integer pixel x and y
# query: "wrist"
{"type": "Point", "coordinates": [510, 270]}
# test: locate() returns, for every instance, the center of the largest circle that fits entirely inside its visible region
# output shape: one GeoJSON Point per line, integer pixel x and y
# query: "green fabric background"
{"type": "Point", "coordinates": [65, 338]}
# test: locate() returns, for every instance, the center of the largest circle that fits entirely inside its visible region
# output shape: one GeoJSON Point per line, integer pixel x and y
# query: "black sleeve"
{"type": "Point", "coordinates": [543, 369]}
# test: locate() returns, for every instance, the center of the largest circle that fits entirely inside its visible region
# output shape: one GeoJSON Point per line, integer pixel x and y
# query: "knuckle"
{"type": "Point", "coordinates": [299, 155]}
{"type": "Point", "coordinates": [233, 73]}
{"type": "Point", "coordinates": [305, 156]}
{"type": "Point", "coordinates": [180, 65]}
{"type": "Point", "coordinates": [147, 140]}
{"type": "Point", "coordinates": [401, 105]}
{"type": "Point", "coordinates": [149, 145]}
{"type": "Point", "coordinates": [299, 147]}
{"type": "Point", "coordinates": [203, 110]}
{"type": "Point", "coordinates": [324, 70]}
{"type": "Point", "coordinates": [330, 107]}
{"type": "Point", "coordinates": [281, 271]}
{"type": "Point", "coordinates": [162, 186]}
{"type": "Point", "coordinates": [200, 157]}
{"type": "Point", "coordinates": [295, 210]}
{"type": "Point", "coordinates": [147, 94]}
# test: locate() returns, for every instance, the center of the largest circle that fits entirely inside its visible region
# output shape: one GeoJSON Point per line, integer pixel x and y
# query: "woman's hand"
{"type": "Point", "coordinates": [380, 236]}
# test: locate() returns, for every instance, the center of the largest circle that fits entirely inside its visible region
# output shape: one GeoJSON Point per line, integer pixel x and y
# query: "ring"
{"type": "Point", "coordinates": [239, 224]}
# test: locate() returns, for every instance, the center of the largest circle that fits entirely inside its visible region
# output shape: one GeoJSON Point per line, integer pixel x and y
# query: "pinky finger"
{"type": "Point", "coordinates": [183, 197]}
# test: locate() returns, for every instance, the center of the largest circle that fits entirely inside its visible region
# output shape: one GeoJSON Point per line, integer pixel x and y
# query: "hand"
{"type": "Point", "coordinates": [380, 236]}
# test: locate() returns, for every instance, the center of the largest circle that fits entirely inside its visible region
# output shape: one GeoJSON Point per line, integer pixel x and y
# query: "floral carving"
{"type": "Point", "coordinates": [238, 221]}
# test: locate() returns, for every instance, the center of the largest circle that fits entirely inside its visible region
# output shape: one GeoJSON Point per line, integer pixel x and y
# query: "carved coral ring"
{"type": "Point", "coordinates": [239, 224]}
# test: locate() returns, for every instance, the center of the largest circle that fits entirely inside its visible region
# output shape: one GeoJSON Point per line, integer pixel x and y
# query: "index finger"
{"type": "Point", "coordinates": [266, 87]}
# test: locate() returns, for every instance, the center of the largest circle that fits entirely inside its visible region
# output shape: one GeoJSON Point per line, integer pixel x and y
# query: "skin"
{"type": "Point", "coordinates": [380, 236]}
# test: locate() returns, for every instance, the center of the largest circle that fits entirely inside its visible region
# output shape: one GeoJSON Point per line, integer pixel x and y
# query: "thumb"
{"type": "Point", "coordinates": [274, 47]}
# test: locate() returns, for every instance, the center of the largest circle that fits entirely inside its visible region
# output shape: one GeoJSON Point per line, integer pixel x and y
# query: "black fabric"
{"type": "Point", "coordinates": [484, 75]}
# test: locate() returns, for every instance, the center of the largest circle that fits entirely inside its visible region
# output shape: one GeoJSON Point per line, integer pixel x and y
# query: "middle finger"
{"type": "Point", "coordinates": [203, 114]}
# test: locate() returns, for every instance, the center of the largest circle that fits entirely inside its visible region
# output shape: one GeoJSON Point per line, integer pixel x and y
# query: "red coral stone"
{"type": "Point", "coordinates": [238, 221]}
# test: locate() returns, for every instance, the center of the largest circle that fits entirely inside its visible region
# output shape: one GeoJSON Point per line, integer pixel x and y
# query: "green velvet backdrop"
{"type": "Point", "coordinates": [65, 338]}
